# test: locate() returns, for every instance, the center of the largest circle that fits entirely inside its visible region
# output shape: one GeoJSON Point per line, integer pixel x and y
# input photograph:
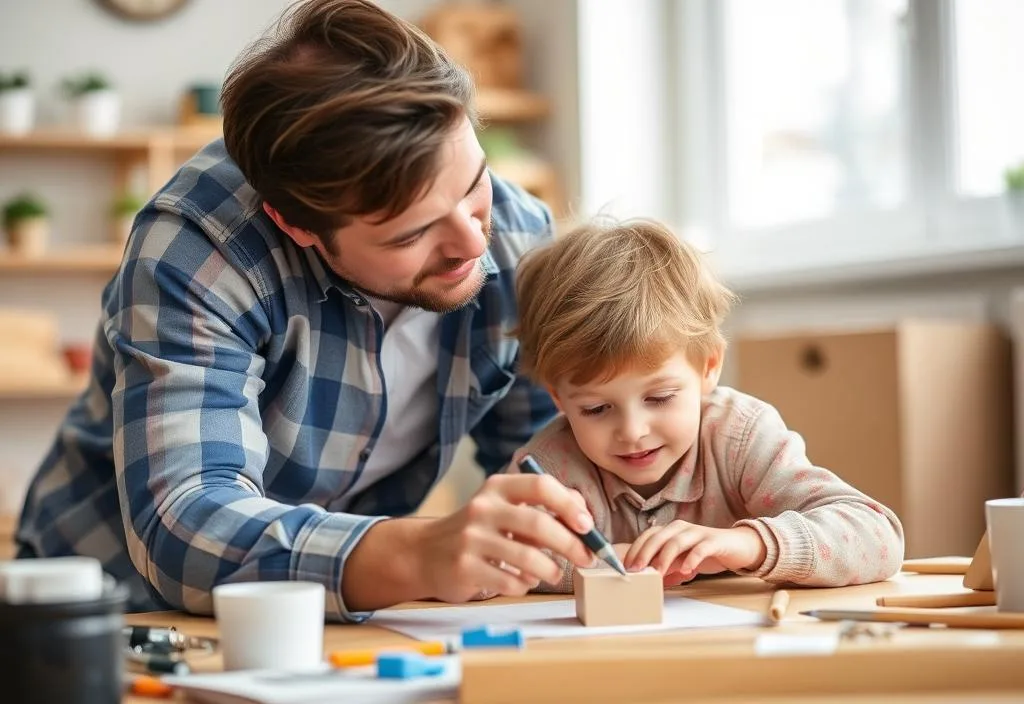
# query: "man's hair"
{"type": "Point", "coordinates": [342, 110]}
{"type": "Point", "coordinates": [607, 297]}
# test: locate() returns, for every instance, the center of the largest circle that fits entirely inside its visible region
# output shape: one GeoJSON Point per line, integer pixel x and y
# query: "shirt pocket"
{"type": "Point", "coordinates": [489, 383]}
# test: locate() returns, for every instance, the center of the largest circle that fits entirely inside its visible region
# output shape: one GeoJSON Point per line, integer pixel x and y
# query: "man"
{"type": "Point", "coordinates": [309, 317]}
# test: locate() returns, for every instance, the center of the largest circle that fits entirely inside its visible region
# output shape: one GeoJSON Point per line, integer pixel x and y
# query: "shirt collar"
{"type": "Point", "coordinates": [685, 486]}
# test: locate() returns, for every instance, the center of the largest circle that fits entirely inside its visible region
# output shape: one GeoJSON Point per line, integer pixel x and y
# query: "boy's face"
{"type": "Point", "coordinates": [640, 423]}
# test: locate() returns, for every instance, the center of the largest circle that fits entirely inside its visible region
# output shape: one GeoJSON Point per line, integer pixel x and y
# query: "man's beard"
{"type": "Point", "coordinates": [434, 302]}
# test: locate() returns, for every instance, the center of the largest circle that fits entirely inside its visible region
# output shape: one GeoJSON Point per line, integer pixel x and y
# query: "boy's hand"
{"type": "Point", "coordinates": [681, 550]}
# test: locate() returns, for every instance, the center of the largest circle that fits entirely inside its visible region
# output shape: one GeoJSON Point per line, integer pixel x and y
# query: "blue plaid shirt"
{"type": "Point", "coordinates": [235, 398]}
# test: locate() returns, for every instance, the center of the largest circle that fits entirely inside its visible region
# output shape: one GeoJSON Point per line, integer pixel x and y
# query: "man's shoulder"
{"type": "Point", "coordinates": [519, 222]}
{"type": "Point", "coordinates": [208, 208]}
{"type": "Point", "coordinates": [210, 189]}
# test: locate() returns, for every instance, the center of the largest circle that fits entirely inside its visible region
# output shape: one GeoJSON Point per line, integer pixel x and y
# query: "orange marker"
{"type": "Point", "coordinates": [356, 658]}
{"type": "Point", "coordinates": [146, 686]}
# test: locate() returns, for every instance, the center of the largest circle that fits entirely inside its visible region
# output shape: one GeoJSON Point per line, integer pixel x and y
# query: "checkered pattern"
{"type": "Point", "coordinates": [235, 398]}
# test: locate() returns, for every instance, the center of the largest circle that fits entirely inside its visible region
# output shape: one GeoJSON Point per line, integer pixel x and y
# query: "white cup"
{"type": "Point", "coordinates": [1005, 519]}
{"type": "Point", "coordinates": [270, 625]}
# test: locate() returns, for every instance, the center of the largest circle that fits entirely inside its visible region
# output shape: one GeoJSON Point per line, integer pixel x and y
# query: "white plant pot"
{"type": "Point", "coordinates": [30, 237]}
{"type": "Point", "coordinates": [17, 111]}
{"type": "Point", "coordinates": [98, 113]}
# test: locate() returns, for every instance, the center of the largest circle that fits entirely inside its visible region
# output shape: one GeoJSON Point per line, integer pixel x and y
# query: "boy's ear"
{"type": "Point", "coordinates": [712, 372]}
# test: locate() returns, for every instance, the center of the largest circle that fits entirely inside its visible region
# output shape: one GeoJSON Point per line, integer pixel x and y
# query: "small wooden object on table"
{"type": "Point", "coordinates": [606, 598]}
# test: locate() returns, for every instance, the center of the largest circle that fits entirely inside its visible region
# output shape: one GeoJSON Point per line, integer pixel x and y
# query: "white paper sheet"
{"type": "Point", "coordinates": [358, 684]}
{"type": "Point", "coordinates": [555, 619]}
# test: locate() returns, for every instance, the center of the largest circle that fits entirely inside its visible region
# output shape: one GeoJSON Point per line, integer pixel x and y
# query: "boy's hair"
{"type": "Point", "coordinates": [342, 111]}
{"type": "Point", "coordinates": [604, 298]}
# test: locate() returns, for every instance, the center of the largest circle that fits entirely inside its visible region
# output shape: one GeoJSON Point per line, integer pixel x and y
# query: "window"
{"type": "Point", "coordinates": [989, 100]}
{"type": "Point", "coordinates": [815, 108]}
{"type": "Point", "coordinates": [820, 133]}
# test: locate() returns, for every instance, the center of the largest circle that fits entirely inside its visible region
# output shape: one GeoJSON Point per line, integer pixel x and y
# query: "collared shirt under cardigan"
{"type": "Point", "coordinates": [236, 395]}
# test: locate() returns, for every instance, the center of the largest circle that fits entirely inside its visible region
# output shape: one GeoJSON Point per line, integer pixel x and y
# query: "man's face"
{"type": "Point", "coordinates": [429, 255]}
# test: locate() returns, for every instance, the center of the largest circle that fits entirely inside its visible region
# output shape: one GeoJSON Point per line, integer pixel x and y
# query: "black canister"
{"type": "Point", "coordinates": [64, 653]}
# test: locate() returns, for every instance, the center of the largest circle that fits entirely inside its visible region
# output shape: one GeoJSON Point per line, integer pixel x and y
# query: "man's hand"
{"type": "Point", "coordinates": [496, 544]}
{"type": "Point", "coordinates": [681, 550]}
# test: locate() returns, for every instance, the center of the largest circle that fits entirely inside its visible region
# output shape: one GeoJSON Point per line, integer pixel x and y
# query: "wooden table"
{"type": "Point", "coordinates": [745, 593]}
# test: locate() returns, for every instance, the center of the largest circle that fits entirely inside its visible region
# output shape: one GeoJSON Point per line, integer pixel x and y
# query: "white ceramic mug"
{"type": "Point", "coordinates": [1005, 519]}
{"type": "Point", "coordinates": [270, 625]}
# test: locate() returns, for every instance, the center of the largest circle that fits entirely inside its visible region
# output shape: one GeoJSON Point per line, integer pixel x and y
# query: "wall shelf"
{"type": "Point", "coordinates": [181, 138]}
{"type": "Point", "coordinates": [43, 392]}
{"type": "Point", "coordinates": [96, 259]}
{"type": "Point", "coordinates": [157, 151]}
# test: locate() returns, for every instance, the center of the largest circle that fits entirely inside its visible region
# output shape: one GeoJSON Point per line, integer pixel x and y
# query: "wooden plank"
{"type": "Point", "coordinates": [661, 674]}
{"type": "Point", "coordinates": [955, 564]}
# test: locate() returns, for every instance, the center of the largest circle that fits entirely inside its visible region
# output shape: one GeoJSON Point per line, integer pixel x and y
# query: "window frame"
{"type": "Point", "coordinates": [934, 221]}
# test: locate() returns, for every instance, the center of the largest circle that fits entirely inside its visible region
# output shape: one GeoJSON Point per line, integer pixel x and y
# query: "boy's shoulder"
{"type": "Point", "coordinates": [726, 411]}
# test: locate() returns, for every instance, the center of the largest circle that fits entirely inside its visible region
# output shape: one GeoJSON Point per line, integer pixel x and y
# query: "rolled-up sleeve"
{"type": "Point", "coordinates": [189, 446]}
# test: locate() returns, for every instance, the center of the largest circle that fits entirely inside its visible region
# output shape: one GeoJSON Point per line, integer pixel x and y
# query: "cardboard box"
{"type": "Point", "coordinates": [919, 416]}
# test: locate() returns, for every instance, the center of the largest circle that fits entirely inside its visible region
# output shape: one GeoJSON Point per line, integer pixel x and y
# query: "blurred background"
{"type": "Point", "coordinates": [853, 167]}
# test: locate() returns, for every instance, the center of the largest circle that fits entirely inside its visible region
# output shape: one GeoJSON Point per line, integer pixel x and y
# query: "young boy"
{"type": "Point", "coordinates": [621, 323]}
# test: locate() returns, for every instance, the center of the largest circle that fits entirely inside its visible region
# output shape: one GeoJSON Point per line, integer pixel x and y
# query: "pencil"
{"type": "Point", "coordinates": [916, 617]}
{"type": "Point", "coordinates": [939, 601]}
{"type": "Point", "coordinates": [356, 658]}
{"type": "Point", "coordinates": [779, 604]}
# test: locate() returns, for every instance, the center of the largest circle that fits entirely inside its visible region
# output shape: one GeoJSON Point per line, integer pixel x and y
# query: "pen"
{"type": "Point", "coordinates": [592, 539]}
{"type": "Point", "coordinates": [156, 663]}
{"type": "Point", "coordinates": [356, 658]}
{"type": "Point", "coordinates": [779, 604]}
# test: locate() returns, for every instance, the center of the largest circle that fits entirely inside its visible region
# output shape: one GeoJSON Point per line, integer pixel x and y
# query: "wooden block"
{"type": "Point", "coordinates": [606, 598]}
{"type": "Point", "coordinates": [979, 574]}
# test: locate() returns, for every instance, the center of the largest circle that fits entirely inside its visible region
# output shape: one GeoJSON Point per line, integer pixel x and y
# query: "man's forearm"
{"type": "Point", "coordinates": [384, 569]}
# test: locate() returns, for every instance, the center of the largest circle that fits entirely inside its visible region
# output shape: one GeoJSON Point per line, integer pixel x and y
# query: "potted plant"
{"type": "Point", "coordinates": [97, 106]}
{"type": "Point", "coordinates": [17, 104]}
{"type": "Point", "coordinates": [26, 221]}
{"type": "Point", "coordinates": [122, 213]}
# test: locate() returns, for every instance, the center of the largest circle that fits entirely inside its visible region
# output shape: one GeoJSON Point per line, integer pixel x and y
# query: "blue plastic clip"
{"type": "Point", "coordinates": [404, 666]}
{"type": "Point", "coordinates": [484, 637]}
